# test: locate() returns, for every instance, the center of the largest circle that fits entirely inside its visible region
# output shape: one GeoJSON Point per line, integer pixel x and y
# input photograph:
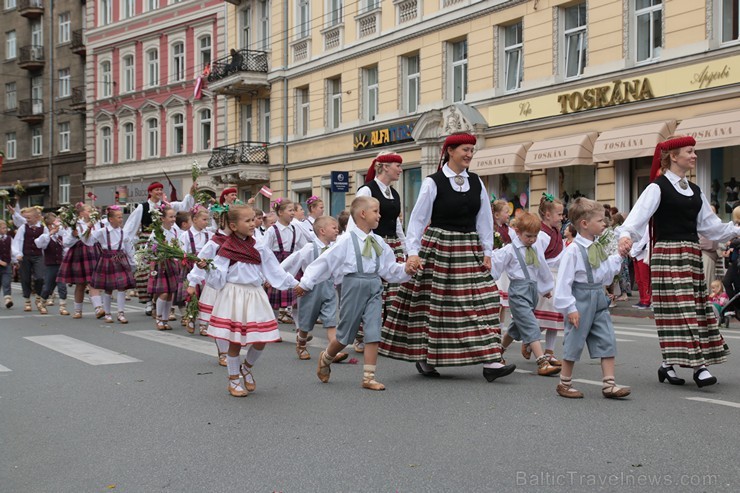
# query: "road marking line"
{"type": "Point", "coordinates": [83, 351]}
{"type": "Point", "coordinates": [714, 401]}
{"type": "Point", "coordinates": [207, 347]}
{"type": "Point", "coordinates": [4, 368]}
{"type": "Point", "coordinates": [636, 334]}
{"type": "Point", "coordinates": [579, 380]}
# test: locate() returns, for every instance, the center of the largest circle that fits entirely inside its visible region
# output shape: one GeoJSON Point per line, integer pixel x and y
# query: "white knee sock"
{"type": "Point", "coordinates": [493, 365]}
{"type": "Point", "coordinates": [78, 307]}
{"type": "Point", "coordinates": [96, 301]}
{"type": "Point", "coordinates": [223, 346]}
{"type": "Point", "coordinates": [232, 364]}
{"type": "Point", "coordinates": [161, 315]}
{"type": "Point", "coordinates": [551, 336]}
{"type": "Point", "coordinates": [106, 302]}
{"type": "Point", "coordinates": [253, 355]}
{"type": "Point", "coordinates": [121, 301]}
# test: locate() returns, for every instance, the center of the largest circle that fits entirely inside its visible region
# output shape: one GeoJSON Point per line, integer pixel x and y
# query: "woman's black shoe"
{"type": "Point", "coordinates": [707, 381]}
{"type": "Point", "coordinates": [663, 375]}
{"type": "Point", "coordinates": [427, 373]}
{"type": "Point", "coordinates": [492, 374]}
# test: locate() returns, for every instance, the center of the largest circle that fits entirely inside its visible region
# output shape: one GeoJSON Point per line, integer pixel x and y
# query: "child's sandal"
{"type": "Point", "coordinates": [222, 359]}
{"type": "Point", "coordinates": [236, 388]}
{"type": "Point", "coordinates": [568, 392]}
{"type": "Point", "coordinates": [122, 318]}
{"type": "Point", "coordinates": [204, 330]}
{"type": "Point", "coordinates": [611, 390]}
{"type": "Point", "coordinates": [249, 382]}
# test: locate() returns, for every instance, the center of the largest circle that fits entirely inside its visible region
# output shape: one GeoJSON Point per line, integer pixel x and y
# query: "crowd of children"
{"type": "Point", "coordinates": [433, 297]}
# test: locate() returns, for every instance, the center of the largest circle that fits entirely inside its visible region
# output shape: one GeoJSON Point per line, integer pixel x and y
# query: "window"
{"type": "Point", "coordinates": [64, 137]}
{"type": "Point", "coordinates": [64, 27]}
{"type": "Point", "coordinates": [302, 111]}
{"type": "Point", "coordinates": [11, 96]}
{"type": "Point", "coordinates": [152, 62]}
{"type": "Point", "coordinates": [303, 19]}
{"type": "Point", "coordinates": [10, 46]}
{"type": "Point", "coordinates": [247, 122]}
{"type": "Point", "coordinates": [204, 122]}
{"type": "Point", "coordinates": [370, 93]}
{"type": "Point", "coordinates": [37, 33]}
{"type": "Point", "coordinates": [649, 27]}
{"type": "Point", "coordinates": [411, 80]}
{"type": "Point", "coordinates": [127, 9]}
{"type": "Point", "coordinates": [65, 86]}
{"type": "Point", "coordinates": [459, 71]}
{"type": "Point", "coordinates": [151, 4]}
{"type": "Point", "coordinates": [334, 13]}
{"type": "Point", "coordinates": [37, 95]}
{"type": "Point", "coordinates": [63, 189]}
{"type": "Point", "coordinates": [106, 145]}
{"type": "Point", "coordinates": [36, 141]}
{"type": "Point", "coordinates": [152, 130]}
{"type": "Point", "coordinates": [335, 102]}
{"type": "Point", "coordinates": [128, 141]}
{"type": "Point", "coordinates": [129, 78]}
{"type": "Point", "coordinates": [106, 12]}
{"type": "Point", "coordinates": [265, 123]}
{"type": "Point", "coordinates": [575, 40]}
{"type": "Point", "coordinates": [730, 20]}
{"type": "Point", "coordinates": [178, 134]}
{"type": "Point", "coordinates": [205, 52]}
{"type": "Point", "coordinates": [368, 5]}
{"type": "Point", "coordinates": [264, 13]}
{"type": "Point", "coordinates": [9, 4]}
{"type": "Point", "coordinates": [246, 37]}
{"type": "Point", "coordinates": [106, 80]}
{"type": "Point", "coordinates": [10, 145]}
{"type": "Point", "coordinates": [514, 64]}
{"type": "Point", "coordinates": [178, 62]}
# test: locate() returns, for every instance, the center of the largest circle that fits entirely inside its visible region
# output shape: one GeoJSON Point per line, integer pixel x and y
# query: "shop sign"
{"type": "Point", "coordinates": [383, 136]}
{"type": "Point", "coordinates": [619, 92]}
{"type": "Point", "coordinates": [340, 181]}
{"type": "Point", "coordinates": [706, 77]}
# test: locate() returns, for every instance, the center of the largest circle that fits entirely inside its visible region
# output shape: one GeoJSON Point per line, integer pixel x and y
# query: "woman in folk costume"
{"type": "Point", "coordinates": [78, 265]}
{"type": "Point", "coordinates": [679, 211]}
{"type": "Point", "coordinates": [141, 220]}
{"type": "Point", "coordinates": [448, 314]}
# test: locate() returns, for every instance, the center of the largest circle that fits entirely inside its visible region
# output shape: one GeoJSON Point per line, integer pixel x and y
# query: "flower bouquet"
{"type": "Point", "coordinates": [68, 216]}
{"type": "Point", "coordinates": [498, 242]}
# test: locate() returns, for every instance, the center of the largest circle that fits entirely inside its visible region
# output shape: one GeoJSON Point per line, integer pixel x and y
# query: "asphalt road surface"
{"type": "Point", "coordinates": [90, 407]}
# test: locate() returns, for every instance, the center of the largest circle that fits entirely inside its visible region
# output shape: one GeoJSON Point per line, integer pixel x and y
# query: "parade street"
{"type": "Point", "coordinates": [93, 407]}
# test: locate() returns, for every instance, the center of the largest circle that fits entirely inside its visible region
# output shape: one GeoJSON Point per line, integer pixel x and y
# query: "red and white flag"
{"type": "Point", "coordinates": [198, 92]}
{"type": "Point", "coordinates": [266, 191]}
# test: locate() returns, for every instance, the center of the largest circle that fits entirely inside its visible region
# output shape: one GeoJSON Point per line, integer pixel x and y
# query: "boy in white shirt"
{"type": "Point", "coordinates": [579, 295]}
{"type": "Point", "coordinates": [361, 269]}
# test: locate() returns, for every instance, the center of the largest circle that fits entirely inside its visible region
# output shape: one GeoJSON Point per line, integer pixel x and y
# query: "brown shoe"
{"type": "Point", "coordinates": [612, 391]}
{"type": "Point", "coordinates": [236, 388]}
{"type": "Point", "coordinates": [77, 315]}
{"type": "Point", "coordinates": [526, 351]}
{"type": "Point", "coordinates": [302, 352]}
{"type": "Point", "coordinates": [249, 382]}
{"type": "Point", "coordinates": [222, 359]}
{"type": "Point", "coordinates": [369, 382]}
{"type": "Point", "coordinates": [568, 392]}
{"type": "Point", "coordinates": [99, 312]}
{"type": "Point", "coordinates": [545, 369]}
{"type": "Point", "coordinates": [27, 307]}
{"type": "Point", "coordinates": [340, 357]}
{"type": "Point", "coordinates": [324, 369]}
{"type": "Point", "coordinates": [41, 306]}
{"type": "Point", "coordinates": [122, 318]}
{"type": "Point", "coordinates": [551, 358]}
{"type": "Point", "coordinates": [63, 311]}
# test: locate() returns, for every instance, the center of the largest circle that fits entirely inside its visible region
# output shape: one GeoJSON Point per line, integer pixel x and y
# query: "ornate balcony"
{"type": "Point", "coordinates": [31, 110]}
{"type": "Point", "coordinates": [406, 10]}
{"type": "Point", "coordinates": [78, 98]}
{"type": "Point", "coordinates": [241, 72]}
{"type": "Point", "coordinates": [242, 163]}
{"type": "Point", "coordinates": [78, 42]}
{"type": "Point", "coordinates": [31, 57]}
{"type": "Point", "coordinates": [31, 9]}
{"type": "Point", "coordinates": [368, 21]}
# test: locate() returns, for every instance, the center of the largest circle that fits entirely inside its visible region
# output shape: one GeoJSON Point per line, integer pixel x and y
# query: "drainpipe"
{"type": "Point", "coordinates": [224, 100]}
{"type": "Point", "coordinates": [286, 26]}
{"type": "Point", "coordinates": [51, 103]}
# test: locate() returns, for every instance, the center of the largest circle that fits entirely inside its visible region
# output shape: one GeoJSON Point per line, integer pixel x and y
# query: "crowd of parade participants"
{"type": "Point", "coordinates": [435, 295]}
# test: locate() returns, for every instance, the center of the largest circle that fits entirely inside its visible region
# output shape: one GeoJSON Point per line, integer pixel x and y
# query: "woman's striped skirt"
{"type": "Point", "coordinates": [687, 328]}
{"type": "Point", "coordinates": [448, 314]}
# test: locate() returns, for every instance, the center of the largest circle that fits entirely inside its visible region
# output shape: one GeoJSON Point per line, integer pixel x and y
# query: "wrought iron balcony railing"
{"type": "Point", "coordinates": [239, 153]}
{"type": "Point", "coordinates": [31, 57]}
{"type": "Point", "coordinates": [31, 110]}
{"type": "Point", "coordinates": [78, 97]}
{"type": "Point", "coordinates": [31, 8]}
{"type": "Point", "coordinates": [78, 41]}
{"type": "Point", "coordinates": [239, 61]}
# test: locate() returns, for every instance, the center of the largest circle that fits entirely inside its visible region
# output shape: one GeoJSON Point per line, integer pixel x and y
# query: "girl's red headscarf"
{"type": "Point", "coordinates": [383, 158]}
{"type": "Point", "coordinates": [455, 140]}
{"type": "Point", "coordinates": [666, 146]}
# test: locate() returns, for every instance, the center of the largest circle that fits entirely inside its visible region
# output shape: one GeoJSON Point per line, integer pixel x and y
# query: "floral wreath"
{"type": "Point", "coordinates": [311, 200]}
{"type": "Point", "coordinates": [276, 204]}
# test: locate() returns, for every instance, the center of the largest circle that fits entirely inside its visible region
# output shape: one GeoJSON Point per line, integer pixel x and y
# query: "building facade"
{"type": "Point", "coordinates": [43, 80]}
{"type": "Point", "coordinates": [568, 97]}
{"type": "Point", "coordinates": [146, 117]}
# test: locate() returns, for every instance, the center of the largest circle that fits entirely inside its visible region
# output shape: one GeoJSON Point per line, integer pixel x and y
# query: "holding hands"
{"type": "Point", "coordinates": [625, 245]}
{"type": "Point", "coordinates": [574, 318]}
{"type": "Point", "coordinates": [299, 291]}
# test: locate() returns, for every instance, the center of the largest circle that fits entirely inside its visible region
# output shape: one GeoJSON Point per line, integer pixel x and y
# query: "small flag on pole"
{"type": "Point", "coordinates": [266, 191]}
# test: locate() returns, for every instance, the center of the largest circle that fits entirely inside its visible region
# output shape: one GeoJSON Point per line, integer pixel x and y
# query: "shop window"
{"type": "Point", "coordinates": [513, 188]}
{"type": "Point", "coordinates": [724, 191]}
{"type": "Point", "coordinates": [411, 185]}
{"type": "Point", "coordinates": [570, 182]}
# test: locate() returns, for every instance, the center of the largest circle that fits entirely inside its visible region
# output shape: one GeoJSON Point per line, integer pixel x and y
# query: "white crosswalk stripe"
{"type": "Point", "coordinates": [714, 401]}
{"type": "Point", "coordinates": [190, 343]}
{"type": "Point", "coordinates": [81, 350]}
{"type": "Point", "coordinates": [4, 369]}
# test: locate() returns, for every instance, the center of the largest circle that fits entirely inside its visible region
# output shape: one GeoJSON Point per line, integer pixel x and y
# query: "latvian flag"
{"type": "Point", "coordinates": [266, 191]}
{"type": "Point", "coordinates": [198, 92]}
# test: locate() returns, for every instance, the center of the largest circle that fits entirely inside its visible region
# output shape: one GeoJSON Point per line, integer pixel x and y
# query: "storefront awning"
{"type": "Point", "coordinates": [714, 130]}
{"type": "Point", "coordinates": [573, 150]}
{"type": "Point", "coordinates": [631, 142]}
{"type": "Point", "coordinates": [500, 160]}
